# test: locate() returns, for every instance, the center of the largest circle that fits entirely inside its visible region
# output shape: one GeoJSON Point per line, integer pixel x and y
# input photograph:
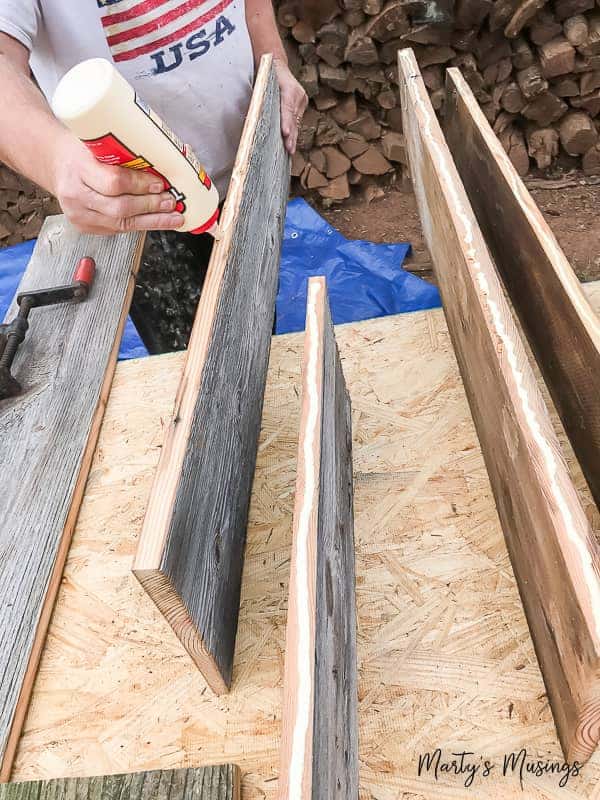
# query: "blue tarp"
{"type": "Point", "coordinates": [364, 280]}
{"type": "Point", "coordinates": [14, 260]}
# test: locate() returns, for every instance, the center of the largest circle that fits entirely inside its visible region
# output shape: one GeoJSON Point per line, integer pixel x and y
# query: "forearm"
{"type": "Point", "coordinates": [29, 133]}
{"type": "Point", "coordinates": [262, 28]}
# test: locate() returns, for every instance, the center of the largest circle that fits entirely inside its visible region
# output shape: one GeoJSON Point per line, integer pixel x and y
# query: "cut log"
{"type": "Point", "coordinates": [545, 109]}
{"type": "Point", "coordinates": [525, 12]}
{"type": "Point", "coordinates": [568, 8]}
{"type": "Point", "coordinates": [576, 29]}
{"type": "Point", "coordinates": [522, 54]}
{"type": "Point", "coordinates": [309, 79]}
{"type": "Point", "coordinates": [542, 145]}
{"type": "Point", "coordinates": [328, 131]}
{"type": "Point", "coordinates": [531, 82]}
{"type": "Point", "coordinates": [544, 27]}
{"type": "Point", "coordinates": [589, 81]}
{"type": "Point", "coordinates": [394, 147]}
{"type": "Point", "coordinates": [335, 77]}
{"type": "Point", "coordinates": [353, 144]}
{"type": "Point", "coordinates": [471, 13]}
{"type": "Point", "coordinates": [371, 162]}
{"type": "Point", "coordinates": [199, 783]}
{"type": "Point", "coordinates": [591, 161]}
{"type": "Point", "coordinates": [588, 102]}
{"type": "Point", "coordinates": [336, 190]}
{"type": "Point", "coordinates": [303, 32]}
{"type": "Point", "coordinates": [313, 178]}
{"type": "Point", "coordinates": [592, 45]}
{"type": "Point", "coordinates": [298, 164]}
{"type": "Point", "coordinates": [501, 13]}
{"type": "Point", "coordinates": [191, 549]}
{"type": "Point", "coordinates": [577, 133]}
{"type": "Point", "coordinates": [547, 534]}
{"type": "Point", "coordinates": [337, 162]}
{"type": "Point", "coordinates": [319, 743]}
{"type": "Point", "coordinates": [513, 142]}
{"type": "Point", "coordinates": [389, 23]}
{"type": "Point", "coordinates": [360, 48]}
{"type": "Point", "coordinates": [47, 438]}
{"type": "Point", "coordinates": [345, 110]}
{"type": "Point", "coordinates": [512, 98]}
{"type": "Point", "coordinates": [565, 87]}
{"type": "Point", "coordinates": [365, 125]}
{"type": "Point", "coordinates": [308, 128]}
{"type": "Point", "coordinates": [557, 57]}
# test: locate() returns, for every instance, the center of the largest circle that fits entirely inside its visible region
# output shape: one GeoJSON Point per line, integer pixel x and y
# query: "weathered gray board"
{"type": "Point", "coordinates": [562, 328]}
{"type": "Point", "coordinates": [201, 783]}
{"type": "Point", "coordinates": [319, 753]}
{"type": "Point", "coordinates": [548, 536]}
{"type": "Point", "coordinates": [47, 438]}
{"type": "Point", "coordinates": [191, 549]}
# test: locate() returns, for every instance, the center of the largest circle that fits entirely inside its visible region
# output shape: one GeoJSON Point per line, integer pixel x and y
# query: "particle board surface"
{"type": "Point", "coordinates": [444, 653]}
{"type": "Point", "coordinates": [202, 783]}
{"type": "Point", "coordinates": [47, 440]}
{"type": "Point", "coordinates": [547, 534]}
{"type": "Point", "coordinates": [191, 549]}
{"type": "Point", "coordinates": [319, 743]}
{"type": "Point", "coordinates": [562, 329]}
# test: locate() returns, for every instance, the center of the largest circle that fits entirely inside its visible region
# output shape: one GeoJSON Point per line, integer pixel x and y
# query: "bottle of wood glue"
{"type": "Point", "coordinates": [103, 110]}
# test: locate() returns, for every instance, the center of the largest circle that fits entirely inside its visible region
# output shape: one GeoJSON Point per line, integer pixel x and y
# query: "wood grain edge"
{"type": "Point", "coordinates": [569, 535]}
{"type": "Point", "coordinates": [562, 268]}
{"type": "Point", "coordinates": [295, 776]}
{"type": "Point", "coordinates": [562, 328]}
{"type": "Point", "coordinates": [12, 741]}
{"type": "Point", "coordinates": [168, 601]}
{"type": "Point", "coordinates": [152, 539]}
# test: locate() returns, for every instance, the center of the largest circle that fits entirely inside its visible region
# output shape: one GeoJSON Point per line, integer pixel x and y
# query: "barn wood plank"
{"type": "Point", "coordinates": [47, 440]}
{"type": "Point", "coordinates": [191, 549]}
{"type": "Point", "coordinates": [200, 783]}
{"type": "Point", "coordinates": [561, 326]}
{"type": "Point", "coordinates": [553, 553]}
{"type": "Point", "coordinates": [319, 752]}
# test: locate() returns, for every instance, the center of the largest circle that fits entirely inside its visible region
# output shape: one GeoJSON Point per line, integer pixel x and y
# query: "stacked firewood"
{"type": "Point", "coordinates": [534, 66]}
{"type": "Point", "coordinates": [23, 208]}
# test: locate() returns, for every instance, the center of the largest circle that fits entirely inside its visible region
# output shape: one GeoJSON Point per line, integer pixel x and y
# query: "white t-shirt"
{"type": "Point", "coordinates": [190, 60]}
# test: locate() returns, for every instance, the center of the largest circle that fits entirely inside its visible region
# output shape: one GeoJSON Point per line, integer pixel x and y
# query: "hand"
{"type": "Point", "coordinates": [103, 199]}
{"type": "Point", "coordinates": [293, 104]}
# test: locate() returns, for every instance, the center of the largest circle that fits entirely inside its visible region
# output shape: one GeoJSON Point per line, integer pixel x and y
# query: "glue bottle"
{"type": "Point", "coordinates": [104, 111]}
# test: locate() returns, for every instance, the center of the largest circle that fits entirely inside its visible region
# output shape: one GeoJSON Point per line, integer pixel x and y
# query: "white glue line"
{"type": "Point", "coordinates": [304, 654]}
{"type": "Point", "coordinates": [549, 459]}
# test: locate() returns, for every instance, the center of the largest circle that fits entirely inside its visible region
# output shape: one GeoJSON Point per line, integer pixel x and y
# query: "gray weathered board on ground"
{"type": "Point", "coordinates": [191, 549]}
{"type": "Point", "coordinates": [319, 752]}
{"type": "Point", "coordinates": [47, 438]}
{"type": "Point", "coordinates": [201, 783]}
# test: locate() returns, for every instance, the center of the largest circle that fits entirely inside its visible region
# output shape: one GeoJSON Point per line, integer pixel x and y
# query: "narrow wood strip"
{"type": "Point", "coordinates": [552, 550]}
{"type": "Point", "coordinates": [47, 440]}
{"type": "Point", "coordinates": [200, 783]}
{"type": "Point", "coordinates": [191, 549]}
{"type": "Point", "coordinates": [319, 751]}
{"type": "Point", "coordinates": [562, 328]}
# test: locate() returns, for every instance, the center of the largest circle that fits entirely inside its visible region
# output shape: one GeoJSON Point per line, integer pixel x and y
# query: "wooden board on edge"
{"type": "Point", "coordinates": [319, 751]}
{"type": "Point", "coordinates": [444, 653]}
{"type": "Point", "coordinates": [200, 783]}
{"type": "Point", "coordinates": [547, 534]}
{"type": "Point", "coordinates": [563, 330]}
{"type": "Point", "coordinates": [191, 549]}
{"type": "Point", "coordinates": [47, 439]}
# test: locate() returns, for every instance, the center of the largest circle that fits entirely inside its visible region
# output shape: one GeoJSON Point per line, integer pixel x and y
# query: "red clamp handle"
{"type": "Point", "coordinates": [85, 272]}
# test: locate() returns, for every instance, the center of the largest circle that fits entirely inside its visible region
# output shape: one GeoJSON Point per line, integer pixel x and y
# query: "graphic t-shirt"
{"type": "Point", "coordinates": [190, 60]}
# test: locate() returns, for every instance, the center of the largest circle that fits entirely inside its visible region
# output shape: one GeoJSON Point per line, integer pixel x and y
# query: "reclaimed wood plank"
{"type": "Point", "coordinates": [319, 752]}
{"type": "Point", "coordinates": [199, 783]}
{"type": "Point", "coordinates": [47, 439]}
{"type": "Point", "coordinates": [191, 548]}
{"type": "Point", "coordinates": [562, 328]}
{"type": "Point", "coordinates": [553, 552]}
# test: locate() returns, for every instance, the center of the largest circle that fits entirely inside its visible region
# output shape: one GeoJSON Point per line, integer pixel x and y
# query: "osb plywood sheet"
{"type": "Point", "coordinates": [445, 658]}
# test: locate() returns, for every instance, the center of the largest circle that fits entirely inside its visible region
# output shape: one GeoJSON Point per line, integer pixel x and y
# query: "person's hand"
{"type": "Point", "coordinates": [103, 199]}
{"type": "Point", "coordinates": [293, 104]}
